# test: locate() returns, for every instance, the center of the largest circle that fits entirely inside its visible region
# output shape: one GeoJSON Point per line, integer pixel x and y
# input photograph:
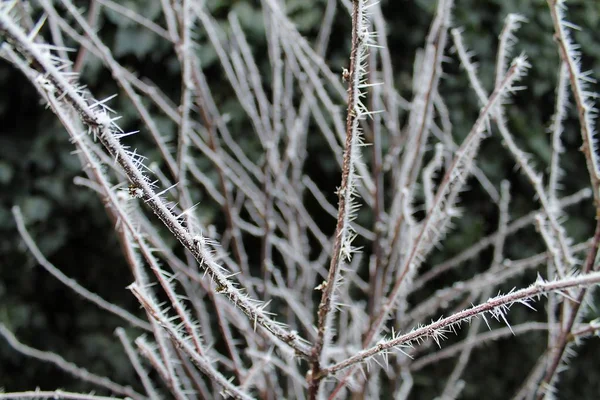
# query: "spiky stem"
{"type": "Point", "coordinates": [346, 192]}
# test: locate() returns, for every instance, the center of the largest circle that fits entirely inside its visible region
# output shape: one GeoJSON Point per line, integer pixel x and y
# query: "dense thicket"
{"type": "Point", "coordinates": [71, 226]}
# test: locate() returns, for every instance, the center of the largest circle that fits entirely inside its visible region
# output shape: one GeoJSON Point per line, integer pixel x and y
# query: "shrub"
{"type": "Point", "coordinates": [252, 283]}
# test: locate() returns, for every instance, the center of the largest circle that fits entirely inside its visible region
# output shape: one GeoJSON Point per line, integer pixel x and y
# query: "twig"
{"type": "Point", "coordinates": [496, 306]}
{"type": "Point", "coordinates": [78, 372]}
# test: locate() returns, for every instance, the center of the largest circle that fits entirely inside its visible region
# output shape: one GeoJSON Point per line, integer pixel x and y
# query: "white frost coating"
{"type": "Point", "coordinates": [580, 82]}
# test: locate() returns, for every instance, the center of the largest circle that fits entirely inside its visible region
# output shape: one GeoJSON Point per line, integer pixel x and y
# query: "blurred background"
{"type": "Point", "coordinates": [71, 227]}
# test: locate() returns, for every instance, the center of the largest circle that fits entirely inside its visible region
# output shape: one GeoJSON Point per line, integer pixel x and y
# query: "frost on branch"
{"type": "Point", "coordinates": [272, 173]}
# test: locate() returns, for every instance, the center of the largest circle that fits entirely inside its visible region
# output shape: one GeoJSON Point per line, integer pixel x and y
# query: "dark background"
{"type": "Point", "coordinates": [72, 229]}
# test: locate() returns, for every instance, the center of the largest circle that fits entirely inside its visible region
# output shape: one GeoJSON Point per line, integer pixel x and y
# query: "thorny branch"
{"type": "Point", "coordinates": [217, 334]}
